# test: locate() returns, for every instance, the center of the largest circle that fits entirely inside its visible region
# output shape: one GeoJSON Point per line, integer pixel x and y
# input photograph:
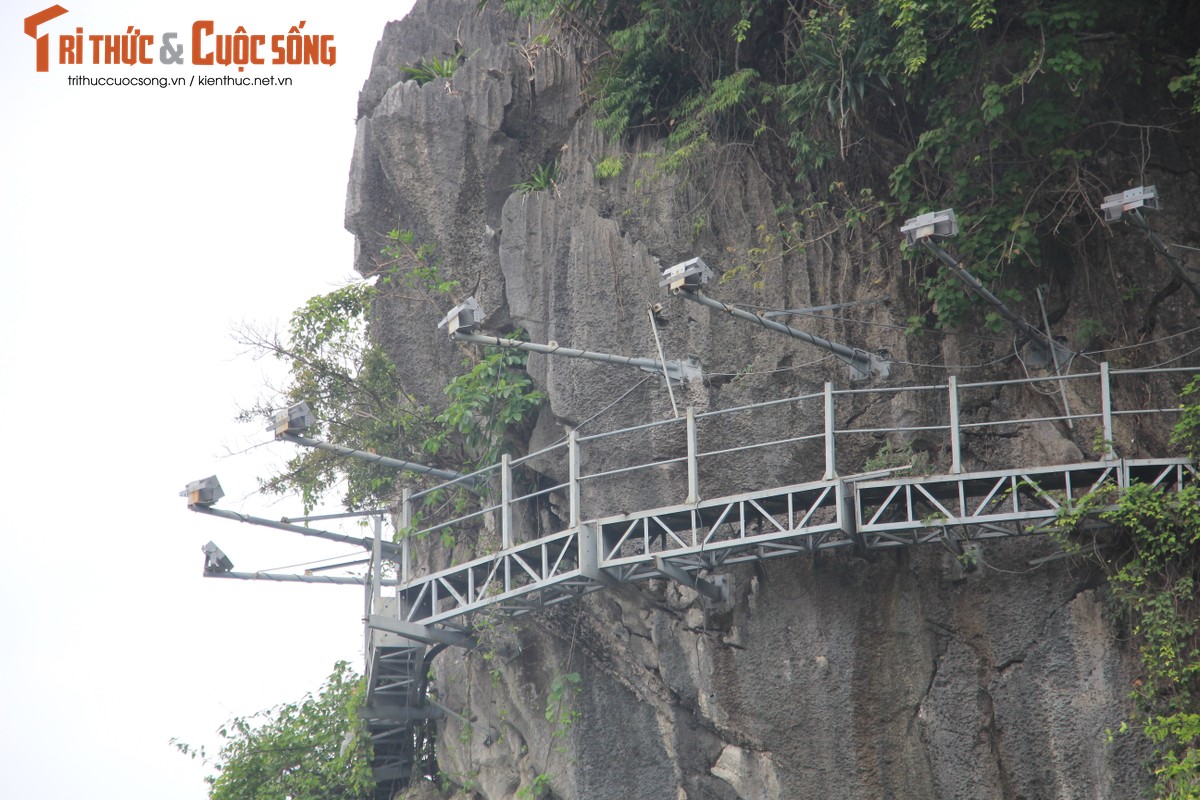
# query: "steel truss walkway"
{"type": "Point", "coordinates": [599, 547]}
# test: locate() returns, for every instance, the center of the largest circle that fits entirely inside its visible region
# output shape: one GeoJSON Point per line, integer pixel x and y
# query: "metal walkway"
{"type": "Point", "coordinates": [513, 571]}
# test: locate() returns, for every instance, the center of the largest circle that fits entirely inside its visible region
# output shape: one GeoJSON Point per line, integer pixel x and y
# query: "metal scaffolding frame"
{"type": "Point", "coordinates": [691, 537]}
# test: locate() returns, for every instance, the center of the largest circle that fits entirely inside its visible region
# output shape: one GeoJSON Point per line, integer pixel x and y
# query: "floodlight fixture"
{"type": "Point", "coordinates": [936, 224]}
{"type": "Point", "coordinates": [686, 276]}
{"type": "Point", "coordinates": [294, 420]}
{"type": "Point", "coordinates": [203, 493]}
{"type": "Point", "coordinates": [215, 560]}
{"type": "Point", "coordinates": [924, 229]}
{"type": "Point", "coordinates": [1127, 206]}
{"type": "Point", "coordinates": [390, 550]}
{"type": "Point", "coordinates": [463, 317]}
{"type": "Point", "coordinates": [1116, 205]}
{"type": "Point", "coordinates": [863, 364]}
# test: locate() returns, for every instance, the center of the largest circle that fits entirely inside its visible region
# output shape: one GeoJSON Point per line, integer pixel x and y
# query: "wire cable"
{"type": "Point", "coordinates": [605, 409]}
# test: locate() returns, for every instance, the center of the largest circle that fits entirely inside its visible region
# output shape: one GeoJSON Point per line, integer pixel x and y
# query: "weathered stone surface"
{"type": "Point", "coordinates": [830, 677]}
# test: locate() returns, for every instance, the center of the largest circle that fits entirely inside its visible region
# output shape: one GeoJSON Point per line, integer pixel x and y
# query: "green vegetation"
{"type": "Point", "coordinates": [543, 178]}
{"type": "Point", "coordinates": [355, 391]}
{"type": "Point", "coordinates": [562, 715]}
{"type": "Point", "coordinates": [311, 750]}
{"type": "Point", "coordinates": [1153, 584]}
{"type": "Point", "coordinates": [427, 69]}
{"type": "Point", "coordinates": [609, 167]}
{"type": "Point", "coordinates": [994, 109]}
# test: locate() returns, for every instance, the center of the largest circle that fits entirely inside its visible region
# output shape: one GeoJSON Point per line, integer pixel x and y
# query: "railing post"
{"type": "Point", "coordinates": [955, 433]}
{"type": "Point", "coordinates": [573, 480]}
{"type": "Point", "coordinates": [1106, 412]}
{"type": "Point", "coordinates": [830, 451]}
{"type": "Point", "coordinates": [405, 525]}
{"type": "Point", "coordinates": [376, 582]}
{"type": "Point", "coordinates": [506, 490]}
{"type": "Point", "coordinates": [374, 588]}
{"type": "Point", "coordinates": [692, 461]}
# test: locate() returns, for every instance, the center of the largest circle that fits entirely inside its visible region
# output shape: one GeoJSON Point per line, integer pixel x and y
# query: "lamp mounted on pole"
{"type": "Point", "coordinates": [686, 279]}
{"type": "Point", "coordinates": [923, 230]}
{"type": "Point", "coordinates": [290, 423]}
{"type": "Point", "coordinates": [462, 321]}
{"type": "Point", "coordinates": [1127, 206]}
{"type": "Point", "coordinates": [203, 494]}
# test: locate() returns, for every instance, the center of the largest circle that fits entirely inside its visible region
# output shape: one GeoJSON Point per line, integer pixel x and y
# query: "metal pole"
{"type": "Point", "coordinates": [862, 361]}
{"type": "Point", "coordinates": [406, 526]}
{"type": "Point", "coordinates": [663, 359]}
{"type": "Point", "coordinates": [693, 465]}
{"type": "Point", "coordinates": [374, 589]}
{"type": "Point", "coordinates": [390, 550]}
{"type": "Point", "coordinates": [1062, 385]}
{"type": "Point", "coordinates": [955, 436]}
{"type": "Point", "coordinates": [973, 283]}
{"type": "Point", "coordinates": [506, 511]}
{"type": "Point", "coordinates": [280, 577]}
{"type": "Point", "coordinates": [573, 479]}
{"type": "Point", "coordinates": [648, 364]}
{"type": "Point", "coordinates": [377, 563]}
{"type": "Point", "coordinates": [374, 458]}
{"type": "Point", "coordinates": [1106, 411]}
{"type": "Point", "coordinates": [1140, 222]}
{"type": "Point", "coordinates": [830, 425]}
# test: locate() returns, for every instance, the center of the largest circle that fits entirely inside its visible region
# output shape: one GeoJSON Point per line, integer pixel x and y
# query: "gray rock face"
{"type": "Point", "coordinates": [829, 677]}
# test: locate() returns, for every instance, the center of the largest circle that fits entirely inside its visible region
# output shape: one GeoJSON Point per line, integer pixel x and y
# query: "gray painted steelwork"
{"type": "Point", "coordinates": [865, 364]}
{"type": "Point", "coordinates": [599, 548]}
{"type": "Point", "coordinates": [373, 458]}
{"type": "Point", "coordinates": [677, 371]}
{"type": "Point", "coordinates": [687, 277]}
{"type": "Point", "coordinates": [687, 541]}
{"type": "Point", "coordinates": [691, 537]}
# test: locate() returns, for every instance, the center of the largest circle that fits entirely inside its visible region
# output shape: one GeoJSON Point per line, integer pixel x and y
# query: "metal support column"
{"type": "Point", "coordinates": [506, 492]}
{"type": "Point", "coordinates": [1106, 412]}
{"type": "Point", "coordinates": [573, 469]}
{"type": "Point", "coordinates": [406, 531]}
{"type": "Point", "coordinates": [713, 591]}
{"type": "Point", "coordinates": [955, 433]}
{"type": "Point", "coordinates": [830, 422]}
{"type": "Point", "coordinates": [693, 467]}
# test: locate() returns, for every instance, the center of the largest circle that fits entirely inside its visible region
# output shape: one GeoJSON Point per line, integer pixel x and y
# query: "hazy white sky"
{"type": "Point", "coordinates": [138, 226]}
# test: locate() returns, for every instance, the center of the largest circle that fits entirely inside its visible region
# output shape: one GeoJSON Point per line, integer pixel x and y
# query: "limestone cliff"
{"type": "Point", "coordinates": [827, 677]}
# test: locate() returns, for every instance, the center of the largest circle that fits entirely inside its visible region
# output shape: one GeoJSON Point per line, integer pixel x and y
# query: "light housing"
{"type": "Point", "coordinates": [690, 274]}
{"type": "Point", "coordinates": [203, 492]}
{"type": "Point", "coordinates": [936, 224]}
{"type": "Point", "coordinates": [1115, 205]}
{"type": "Point", "coordinates": [463, 317]}
{"type": "Point", "coordinates": [215, 560]}
{"type": "Point", "coordinates": [294, 420]}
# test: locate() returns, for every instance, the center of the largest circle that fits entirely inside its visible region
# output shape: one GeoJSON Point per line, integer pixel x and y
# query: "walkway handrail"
{"type": "Point", "coordinates": [683, 439]}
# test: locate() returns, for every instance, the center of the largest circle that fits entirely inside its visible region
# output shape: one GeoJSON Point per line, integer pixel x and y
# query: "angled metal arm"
{"type": "Point", "coordinates": [864, 363]}
{"type": "Point", "coordinates": [282, 577]}
{"type": "Point", "coordinates": [676, 370]}
{"type": "Point", "coordinates": [1135, 218]}
{"type": "Point", "coordinates": [974, 285]}
{"type": "Point", "coordinates": [374, 458]}
{"type": "Point", "coordinates": [289, 423]}
{"type": "Point", "coordinates": [391, 551]}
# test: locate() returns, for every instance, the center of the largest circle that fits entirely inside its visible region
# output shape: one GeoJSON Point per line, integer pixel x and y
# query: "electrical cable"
{"type": "Point", "coordinates": [805, 365]}
{"type": "Point", "coordinates": [606, 408]}
{"type": "Point", "coordinates": [1089, 353]}
{"type": "Point", "coordinates": [355, 554]}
